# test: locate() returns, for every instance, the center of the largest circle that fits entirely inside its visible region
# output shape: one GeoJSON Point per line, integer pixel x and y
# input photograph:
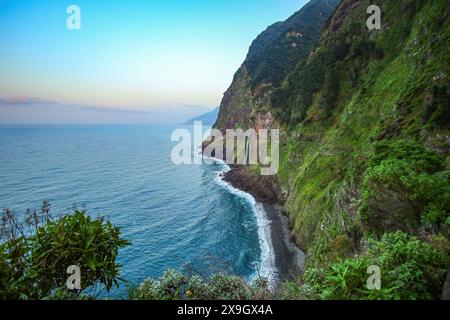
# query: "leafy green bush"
{"type": "Point", "coordinates": [290, 290]}
{"type": "Point", "coordinates": [174, 285]}
{"type": "Point", "coordinates": [33, 265]}
{"type": "Point", "coordinates": [410, 269]}
{"type": "Point", "coordinates": [405, 186]}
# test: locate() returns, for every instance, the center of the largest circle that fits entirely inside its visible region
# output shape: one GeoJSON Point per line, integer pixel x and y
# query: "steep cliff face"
{"type": "Point", "coordinates": [247, 103]}
{"type": "Point", "coordinates": [357, 90]}
{"type": "Point", "coordinates": [365, 122]}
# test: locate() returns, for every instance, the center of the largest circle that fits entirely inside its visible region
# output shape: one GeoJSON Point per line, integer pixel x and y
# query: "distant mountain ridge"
{"type": "Point", "coordinates": [208, 118]}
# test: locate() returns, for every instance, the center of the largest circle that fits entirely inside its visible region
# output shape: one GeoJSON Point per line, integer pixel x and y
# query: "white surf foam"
{"type": "Point", "coordinates": [267, 267]}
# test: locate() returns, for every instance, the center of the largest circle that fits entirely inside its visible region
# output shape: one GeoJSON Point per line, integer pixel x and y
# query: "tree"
{"type": "Point", "coordinates": [35, 253]}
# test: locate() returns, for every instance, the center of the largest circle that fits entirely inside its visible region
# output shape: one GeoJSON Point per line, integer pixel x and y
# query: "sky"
{"type": "Point", "coordinates": [159, 61]}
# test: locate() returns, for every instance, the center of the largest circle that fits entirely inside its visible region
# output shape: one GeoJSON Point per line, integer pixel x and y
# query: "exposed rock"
{"type": "Point", "coordinates": [265, 189]}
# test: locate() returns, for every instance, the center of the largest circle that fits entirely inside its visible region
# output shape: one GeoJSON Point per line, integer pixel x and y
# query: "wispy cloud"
{"type": "Point", "coordinates": [21, 100]}
{"type": "Point", "coordinates": [24, 109]}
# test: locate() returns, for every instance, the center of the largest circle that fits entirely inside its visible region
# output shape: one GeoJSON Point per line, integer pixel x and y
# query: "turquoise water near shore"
{"type": "Point", "coordinates": [176, 216]}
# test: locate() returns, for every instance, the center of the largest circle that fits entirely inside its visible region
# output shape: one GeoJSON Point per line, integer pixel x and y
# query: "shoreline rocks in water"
{"type": "Point", "coordinates": [289, 259]}
{"type": "Point", "coordinates": [265, 189]}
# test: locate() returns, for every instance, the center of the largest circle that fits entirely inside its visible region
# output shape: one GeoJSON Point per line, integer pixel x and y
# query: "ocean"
{"type": "Point", "coordinates": [176, 216]}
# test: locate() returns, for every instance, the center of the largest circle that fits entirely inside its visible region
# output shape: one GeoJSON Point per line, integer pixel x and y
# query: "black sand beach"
{"type": "Point", "coordinates": [289, 259]}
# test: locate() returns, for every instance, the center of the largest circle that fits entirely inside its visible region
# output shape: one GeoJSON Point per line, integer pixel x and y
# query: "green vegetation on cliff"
{"type": "Point", "coordinates": [272, 54]}
{"type": "Point", "coordinates": [365, 146]}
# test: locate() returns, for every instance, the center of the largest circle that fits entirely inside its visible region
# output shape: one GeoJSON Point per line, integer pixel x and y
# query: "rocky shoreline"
{"type": "Point", "coordinates": [265, 189]}
{"type": "Point", "coordinates": [289, 259]}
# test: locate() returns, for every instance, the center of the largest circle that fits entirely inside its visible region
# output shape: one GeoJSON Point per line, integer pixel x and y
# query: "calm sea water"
{"type": "Point", "coordinates": [180, 217]}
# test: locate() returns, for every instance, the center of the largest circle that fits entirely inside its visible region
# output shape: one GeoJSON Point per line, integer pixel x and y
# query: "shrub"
{"type": "Point", "coordinates": [174, 285]}
{"type": "Point", "coordinates": [33, 263]}
{"type": "Point", "coordinates": [405, 187]}
{"type": "Point", "coordinates": [410, 269]}
{"type": "Point", "coordinates": [290, 290]}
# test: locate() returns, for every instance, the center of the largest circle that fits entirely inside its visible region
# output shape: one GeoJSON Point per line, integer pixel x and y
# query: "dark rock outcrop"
{"type": "Point", "coordinates": [265, 189]}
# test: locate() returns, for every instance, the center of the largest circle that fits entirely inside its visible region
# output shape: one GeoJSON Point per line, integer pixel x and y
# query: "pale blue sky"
{"type": "Point", "coordinates": [129, 54]}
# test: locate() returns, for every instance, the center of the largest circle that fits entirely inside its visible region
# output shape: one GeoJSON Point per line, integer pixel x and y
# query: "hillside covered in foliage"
{"type": "Point", "coordinates": [365, 141]}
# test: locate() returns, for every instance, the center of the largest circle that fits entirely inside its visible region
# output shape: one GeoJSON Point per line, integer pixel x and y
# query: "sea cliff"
{"type": "Point", "coordinates": [364, 124]}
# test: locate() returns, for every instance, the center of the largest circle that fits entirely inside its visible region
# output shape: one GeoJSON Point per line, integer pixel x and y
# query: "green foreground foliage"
{"type": "Point", "coordinates": [410, 269]}
{"type": "Point", "coordinates": [174, 285]}
{"type": "Point", "coordinates": [34, 267]}
{"type": "Point", "coordinates": [35, 254]}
